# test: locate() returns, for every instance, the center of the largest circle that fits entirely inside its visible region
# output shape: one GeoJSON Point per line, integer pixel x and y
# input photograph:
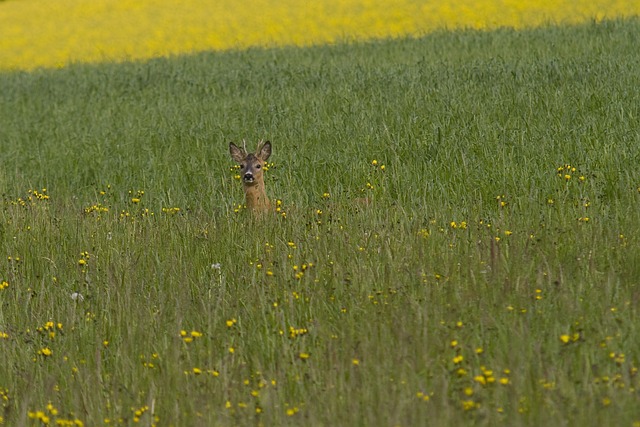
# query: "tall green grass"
{"type": "Point", "coordinates": [485, 281]}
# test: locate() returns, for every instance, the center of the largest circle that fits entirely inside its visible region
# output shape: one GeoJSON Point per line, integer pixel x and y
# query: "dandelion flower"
{"type": "Point", "coordinates": [46, 352]}
{"type": "Point", "coordinates": [480, 379]}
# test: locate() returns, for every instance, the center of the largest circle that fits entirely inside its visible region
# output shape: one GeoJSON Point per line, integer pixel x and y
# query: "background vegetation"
{"type": "Point", "coordinates": [490, 279]}
{"type": "Point", "coordinates": [37, 33]}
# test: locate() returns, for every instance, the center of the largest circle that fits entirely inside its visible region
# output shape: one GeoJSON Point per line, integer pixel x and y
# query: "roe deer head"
{"type": "Point", "coordinates": [252, 174]}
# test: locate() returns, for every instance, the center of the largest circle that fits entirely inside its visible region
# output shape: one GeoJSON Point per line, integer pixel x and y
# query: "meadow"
{"type": "Point", "coordinates": [492, 279]}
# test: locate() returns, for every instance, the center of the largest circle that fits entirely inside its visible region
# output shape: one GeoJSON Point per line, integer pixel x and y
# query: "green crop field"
{"type": "Point", "coordinates": [457, 241]}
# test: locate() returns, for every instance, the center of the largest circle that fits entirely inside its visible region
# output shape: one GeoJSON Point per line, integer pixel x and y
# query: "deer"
{"type": "Point", "coordinates": [252, 175]}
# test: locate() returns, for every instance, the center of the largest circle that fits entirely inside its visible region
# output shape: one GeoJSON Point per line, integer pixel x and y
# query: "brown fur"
{"type": "Point", "coordinates": [252, 174]}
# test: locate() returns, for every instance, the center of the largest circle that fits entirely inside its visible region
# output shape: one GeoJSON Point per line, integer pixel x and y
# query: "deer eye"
{"type": "Point", "coordinates": [241, 165]}
{"type": "Point", "coordinates": [258, 166]}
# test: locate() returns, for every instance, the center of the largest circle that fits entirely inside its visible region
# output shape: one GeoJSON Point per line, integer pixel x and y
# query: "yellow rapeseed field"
{"type": "Point", "coordinates": [39, 33]}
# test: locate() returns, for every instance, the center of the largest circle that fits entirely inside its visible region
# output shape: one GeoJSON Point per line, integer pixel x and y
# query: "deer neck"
{"type": "Point", "coordinates": [256, 197]}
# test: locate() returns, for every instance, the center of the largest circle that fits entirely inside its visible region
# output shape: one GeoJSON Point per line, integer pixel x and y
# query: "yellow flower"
{"type": "Point", "coordinates": [565, 338]}
{"type": "Point", "coordinates": [469, 405]}
{"type": "Point", "coordinates": [304, 356]}
{"type": "Point", "coordinates": [39, 415]}
{"type": "Point", "coordinates": [425, 397]}
{"type": "Point", "coordinates": [52, 410]}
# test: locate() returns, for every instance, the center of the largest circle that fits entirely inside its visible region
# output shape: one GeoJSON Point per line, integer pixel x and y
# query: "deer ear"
{"type": "Point", "coordinates": [237, 153]}
{"type": "Point", "coordinates": [264, 151]}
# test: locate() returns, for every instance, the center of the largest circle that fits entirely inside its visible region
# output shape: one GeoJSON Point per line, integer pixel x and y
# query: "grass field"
{"type": "Point", "coordinates": [491, 280]}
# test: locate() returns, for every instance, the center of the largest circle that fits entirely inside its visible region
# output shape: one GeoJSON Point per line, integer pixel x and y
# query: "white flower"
{"type": "Point", "coordinates": [77, 296]}
{"type": "Point", "coordinates": [216, 266]}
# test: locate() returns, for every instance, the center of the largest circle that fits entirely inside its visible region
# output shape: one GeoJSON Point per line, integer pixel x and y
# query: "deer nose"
{"type": "Point", "coordinates": [248, 176]}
